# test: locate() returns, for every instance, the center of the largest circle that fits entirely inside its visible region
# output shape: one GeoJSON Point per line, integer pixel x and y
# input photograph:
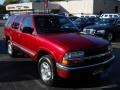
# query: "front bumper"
{"type": "Point", "coordinates": [67, 72]}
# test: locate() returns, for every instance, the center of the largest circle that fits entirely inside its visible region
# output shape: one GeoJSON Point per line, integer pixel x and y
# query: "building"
{"type": "Point", "coordinates": [31, 7]}
{"type": "Point", "coordinates": [69, 6]}
{"type": "Point", "coordinates": [90, 6]}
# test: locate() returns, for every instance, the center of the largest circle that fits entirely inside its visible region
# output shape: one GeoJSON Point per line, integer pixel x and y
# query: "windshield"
{"type": "Point", "coordinates": [48, 24]}
{"type": "Point", "coordinates": [80, 21]}
{"type": "Point", "coordinates": [93, 20]}
{"type": "Point", "coordinates": [106, 21]}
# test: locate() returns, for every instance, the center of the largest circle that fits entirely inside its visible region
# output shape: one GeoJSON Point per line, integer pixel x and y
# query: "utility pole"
{"type": "Point", "coordinates": [45, 5]}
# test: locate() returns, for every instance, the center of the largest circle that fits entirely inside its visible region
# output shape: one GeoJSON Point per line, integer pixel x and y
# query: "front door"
{"type": "Point", "coordinates": [27, 40]}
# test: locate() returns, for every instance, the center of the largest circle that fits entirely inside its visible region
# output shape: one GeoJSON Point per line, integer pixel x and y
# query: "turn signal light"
{"type": "Point", "coordinates": [71, 62]}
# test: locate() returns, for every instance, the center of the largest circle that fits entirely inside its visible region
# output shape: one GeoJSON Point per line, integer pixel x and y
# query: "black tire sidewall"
{"type": "Point", "coordinates": [108, 35]}
{"type": "Point", "coordinates": [49, 60]}
{"type": "Point", "coordinates": [13, 54]}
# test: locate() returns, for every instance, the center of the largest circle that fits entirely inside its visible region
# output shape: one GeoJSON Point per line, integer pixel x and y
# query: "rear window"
{"type": "Point", "coordinates": [8, 22]}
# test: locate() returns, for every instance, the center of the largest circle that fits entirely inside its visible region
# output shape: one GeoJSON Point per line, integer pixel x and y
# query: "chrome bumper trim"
{"type": "Point", "coordinates": [83, 67]}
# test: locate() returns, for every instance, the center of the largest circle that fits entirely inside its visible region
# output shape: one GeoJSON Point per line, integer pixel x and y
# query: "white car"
{"type": "Point", "coordinates": [5, 17]}
{"type": "Point", "coordinates": [109, 16]}
{"type": "Point", "coordinates": [84, 15]}
{"type": "Point", "coordinates": [88, 16]}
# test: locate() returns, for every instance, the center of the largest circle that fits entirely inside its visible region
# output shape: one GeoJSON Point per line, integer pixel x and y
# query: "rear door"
{"type": "Point", "coordinates": [7, 29]}
{"type": "Point", "coordinates": [15, 32]}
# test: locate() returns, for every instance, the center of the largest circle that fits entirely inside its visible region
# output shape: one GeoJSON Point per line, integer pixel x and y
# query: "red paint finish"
{"type": "Point", "coordinates": [56, 44]}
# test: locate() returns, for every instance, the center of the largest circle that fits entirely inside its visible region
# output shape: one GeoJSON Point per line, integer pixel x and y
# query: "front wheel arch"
{"type": "Point", "coordinates": [43, 52]}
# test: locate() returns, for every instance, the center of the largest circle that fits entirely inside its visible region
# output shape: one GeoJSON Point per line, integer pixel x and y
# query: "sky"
{"type": "Point", "coordinates": [1, 1]}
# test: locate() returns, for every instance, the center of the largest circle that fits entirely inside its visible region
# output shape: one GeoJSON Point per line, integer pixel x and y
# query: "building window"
{"type": "Point", "coordinates": [116, 9]}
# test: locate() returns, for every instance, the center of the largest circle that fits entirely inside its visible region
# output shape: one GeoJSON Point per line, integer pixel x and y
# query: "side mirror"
{"type": "Point", "coordinates": [27, 30]}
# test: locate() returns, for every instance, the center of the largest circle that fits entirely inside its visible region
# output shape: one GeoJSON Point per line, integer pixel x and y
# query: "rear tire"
{"type": "Point", "coordinates": [47, 70]}
{"type": "Point", "coordinates": [11, 51]}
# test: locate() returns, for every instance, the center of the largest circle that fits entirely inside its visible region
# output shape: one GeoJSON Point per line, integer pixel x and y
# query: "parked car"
{"type": "Point", "coordinates": [83, 22]}
{"type": "Point", "coordinates": [73, 18]}
{"type": "Point", "coordinates": [106, 28]}
{"type": "Point", "coordinates": [1, 16]}
{"type": "Point", "coordinates": [86, 16]}
{"type": "Point", "coordinates": [109, 16]}
{"type": "Point", "coordinates": [56, 45]}
{"type": "Point", "coordinates": [5, 17]}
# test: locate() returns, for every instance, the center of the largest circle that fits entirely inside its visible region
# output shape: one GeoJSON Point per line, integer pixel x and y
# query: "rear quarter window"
{"type": "Point", "coordinates": [9, 21]}
{"type": "Point", "coordinates": [16, 23]}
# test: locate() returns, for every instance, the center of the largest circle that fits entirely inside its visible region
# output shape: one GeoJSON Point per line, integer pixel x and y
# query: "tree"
{"type": "Point", "coordinates": [6, 2]}
{"type": "Point", "coordinates": [2, 9]}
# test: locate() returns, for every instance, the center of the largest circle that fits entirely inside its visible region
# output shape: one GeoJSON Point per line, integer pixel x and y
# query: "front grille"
{"type": "Point", "coordinates": [96, 60]}
{"type": "Point", "coordinates": [93, 61]}
{"type": "Point", "coordinates": [95, 51]}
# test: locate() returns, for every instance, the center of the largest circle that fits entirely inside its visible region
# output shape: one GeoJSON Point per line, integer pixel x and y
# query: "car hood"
{"type": "Point", "coordinates": [99, 26]}
{"type": "Point", "coordinates": [74, 41]}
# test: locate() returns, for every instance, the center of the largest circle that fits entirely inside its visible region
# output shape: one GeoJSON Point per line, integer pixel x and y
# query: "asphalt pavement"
{"type": "Point", "coordinates": [20, 73]}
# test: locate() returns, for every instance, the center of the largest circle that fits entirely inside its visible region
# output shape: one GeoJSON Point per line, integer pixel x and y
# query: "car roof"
{"type": "Point", "coordinates": [39, 15]}
{"type": "Point", "coordinates": [110, 14]}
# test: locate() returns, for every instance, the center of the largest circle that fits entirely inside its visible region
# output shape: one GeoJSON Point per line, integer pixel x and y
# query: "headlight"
{"type": "Point", "coordinates": [73, 55]}
{"type": "Point", "coordinates": [110, 48]}
{"type": "Point", "coordinates": [84, 30]}
{"type": "Point", "coordinates": [89, 31]}
{"type": "Point", "coordinates": [73, 58]}
{"type": "Point", "coordinates": [101, 31]}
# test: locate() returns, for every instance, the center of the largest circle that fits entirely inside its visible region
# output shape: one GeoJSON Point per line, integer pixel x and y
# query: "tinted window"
{"type": "Point", "coordinates": [45, 24]}
{"type": "Point", "coordinates": [106, 15]}
{"type": "Point", "coordinates": [115, 16]}
{"type": "Point", "coordinates": [10, 19]}
{"type": "Point", "coordinates": [110, 16]}
{"type": "Point", "coordinates": [16, 23]}
{"type": "Point", "coordinates": [118, 22]}
{"type": "Point", "coordinates": [27, 22]}
{"type": "Point", "coordinates": [80, 21]}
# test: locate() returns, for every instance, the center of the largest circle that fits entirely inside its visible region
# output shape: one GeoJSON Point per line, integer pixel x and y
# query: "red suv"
{"type": "Point", "coordinates": [56, 44]}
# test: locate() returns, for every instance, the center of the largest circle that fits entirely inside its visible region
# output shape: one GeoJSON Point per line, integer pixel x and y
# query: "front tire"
{"type": "Point", "coordinates": [109, 36]}
{"type": "Point", "coordinates": [47, 70]}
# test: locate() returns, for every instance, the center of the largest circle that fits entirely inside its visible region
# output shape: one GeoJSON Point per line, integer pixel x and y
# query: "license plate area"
{"type": "Point", "coordinates": [98, 71]}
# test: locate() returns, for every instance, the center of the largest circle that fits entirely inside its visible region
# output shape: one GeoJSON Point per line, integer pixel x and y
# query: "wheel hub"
{"type": "Point", "coordinates": [10, 48]}
{"type": "Point", "coordinates": [45, 71]}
